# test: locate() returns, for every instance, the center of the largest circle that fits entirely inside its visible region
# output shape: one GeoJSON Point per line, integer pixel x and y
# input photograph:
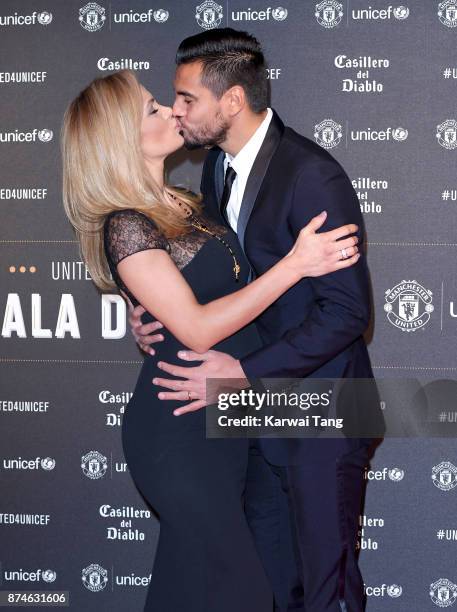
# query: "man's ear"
{"type": "Point", "coordinates": [234, 100]}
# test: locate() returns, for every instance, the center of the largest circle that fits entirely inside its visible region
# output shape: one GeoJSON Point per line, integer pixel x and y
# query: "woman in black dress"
{"type": "Point", "coordinates": [190, 273]}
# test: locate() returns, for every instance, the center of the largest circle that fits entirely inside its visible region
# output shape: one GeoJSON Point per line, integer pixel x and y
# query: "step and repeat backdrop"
{"type": "Point", "coordinates": [373, 83]}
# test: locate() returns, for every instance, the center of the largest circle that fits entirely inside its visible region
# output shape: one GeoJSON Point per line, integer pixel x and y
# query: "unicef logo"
{"type": "Point", "coordinates": [328, 133]}
{"type": "Point", "coordinates": [209, 15]}
{"type": "Point", "coordinates": [396, 474]}
{"type": "Point", "coordinates": [443, 592]}
{"type": "Point", "coordinates": [49, 575]}
{"type": "Point", "coordinates": [444, 476]}
{"type": "Point", "coordinates": [92, 17]}
{"type": "Point", "coordinates": [447, 13]}
{"type": "Point", "coordinates": [446, 134]}
{"type": "Point", "coordinates": [94, 577]}
{"type": "Point", "coordinates": [45, 135]}
{"type": "Point", "coordinates": [44, 18]}
{"type": "Point", "coordinates": [401, 12]}
{"type": "Point", "coordinates": [329, 13]}
{"type": "Point", "coordinates": [394, 590]}
{"type": "Point", "coordinates": [94, 465]}
{"type": "Point", "coordinates": [400, 134]}
{"type": "Point", "coordinates": [161, 15]}
{"type": "Point", "coordinates": [48, 464]}
{"type": "Point", "coordinates": [279, 13]}
{"type": "Point", "coordinates": [408, 305]}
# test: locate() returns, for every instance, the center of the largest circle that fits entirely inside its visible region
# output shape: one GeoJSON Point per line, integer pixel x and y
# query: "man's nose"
{"type": "Point", "coordinates": [178, 109]}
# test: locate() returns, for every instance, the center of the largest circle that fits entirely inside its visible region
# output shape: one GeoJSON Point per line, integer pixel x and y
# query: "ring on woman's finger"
{"type": "Point", "coordinates": [344, 254]}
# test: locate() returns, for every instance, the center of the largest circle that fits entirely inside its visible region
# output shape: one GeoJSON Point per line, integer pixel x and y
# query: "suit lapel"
{"type": "Point", "coordinates": [257, 174]}
{"type": "Point", "coordinates": [219, 179]}
{"type": "Point", "coordinates": [217, 183]}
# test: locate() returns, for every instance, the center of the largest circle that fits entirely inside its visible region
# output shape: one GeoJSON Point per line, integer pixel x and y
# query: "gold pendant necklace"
{"type": "Point", "coordinates": [200, 226]}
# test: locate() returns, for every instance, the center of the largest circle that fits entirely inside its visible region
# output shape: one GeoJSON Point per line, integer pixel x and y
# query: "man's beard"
{"type": "Point", "coordinates": [206, 136]}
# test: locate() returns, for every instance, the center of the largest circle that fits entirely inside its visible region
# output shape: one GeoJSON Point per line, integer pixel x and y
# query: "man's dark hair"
{"type": "Point", "coordinates": [229, 58]}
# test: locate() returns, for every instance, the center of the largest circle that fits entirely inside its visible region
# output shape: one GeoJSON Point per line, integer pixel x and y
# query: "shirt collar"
{"type": "Point", "coordinates": [243, 161]}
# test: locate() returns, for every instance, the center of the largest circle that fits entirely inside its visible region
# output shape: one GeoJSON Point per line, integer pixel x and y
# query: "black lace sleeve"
{"type": "Point", "coordinates": [127, 232]}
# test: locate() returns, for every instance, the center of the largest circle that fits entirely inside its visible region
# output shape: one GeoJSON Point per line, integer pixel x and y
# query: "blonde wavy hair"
{"type": "Point", "coordinates": [104, 169]}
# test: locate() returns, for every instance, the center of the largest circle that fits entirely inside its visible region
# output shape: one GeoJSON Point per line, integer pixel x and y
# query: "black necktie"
{"type": "Point", "coordinates": [230, 176]}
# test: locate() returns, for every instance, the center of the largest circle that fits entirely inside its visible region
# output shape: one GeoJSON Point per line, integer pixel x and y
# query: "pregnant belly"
{"type": "Point", "coordinates": [148, 418]}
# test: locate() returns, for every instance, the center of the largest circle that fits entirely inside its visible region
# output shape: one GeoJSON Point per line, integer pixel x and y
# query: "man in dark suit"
{"type": "Point", "coordinates": [303, 496]}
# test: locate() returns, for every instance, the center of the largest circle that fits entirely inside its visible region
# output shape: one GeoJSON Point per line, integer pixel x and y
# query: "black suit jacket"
{"type": "Point", "coordinates": [315, 328]}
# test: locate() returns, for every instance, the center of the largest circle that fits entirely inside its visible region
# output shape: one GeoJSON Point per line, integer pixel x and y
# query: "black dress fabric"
{"type": "Point", "coordinates": [206, 560]}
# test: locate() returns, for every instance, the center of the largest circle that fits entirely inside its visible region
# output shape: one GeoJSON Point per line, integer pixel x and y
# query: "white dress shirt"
{"type": "Point", "coordinates": [242, 164]}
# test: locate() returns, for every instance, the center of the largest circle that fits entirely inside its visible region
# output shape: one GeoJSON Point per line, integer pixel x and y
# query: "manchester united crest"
{"type": "Point", "coordinates": [94, 577]}
{"type": "Point", "coordinates": [329, 13]}
{"type": "Point", "coordinates": [94, 465]}
{"type": "Point", "coordinates": [447, 13]}
{"type": "Point", "coordinates": [92, 17]}
{"type": "Point", "coordinates": [328, 133]}
{"type": "Point", "coordinates": [444, 476]}
{"type": "Point", "coordinates": [443, 592]}
{"type": "Point", "coordinates": [446, 134]}
{"type": "Point", "coordinates": [408, 305]}
{"type": "Point", "coordinates": [209, 15]}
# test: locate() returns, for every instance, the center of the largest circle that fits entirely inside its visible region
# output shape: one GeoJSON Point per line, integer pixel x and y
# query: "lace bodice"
{"type": "Point", "coordinates": [129, 231]}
